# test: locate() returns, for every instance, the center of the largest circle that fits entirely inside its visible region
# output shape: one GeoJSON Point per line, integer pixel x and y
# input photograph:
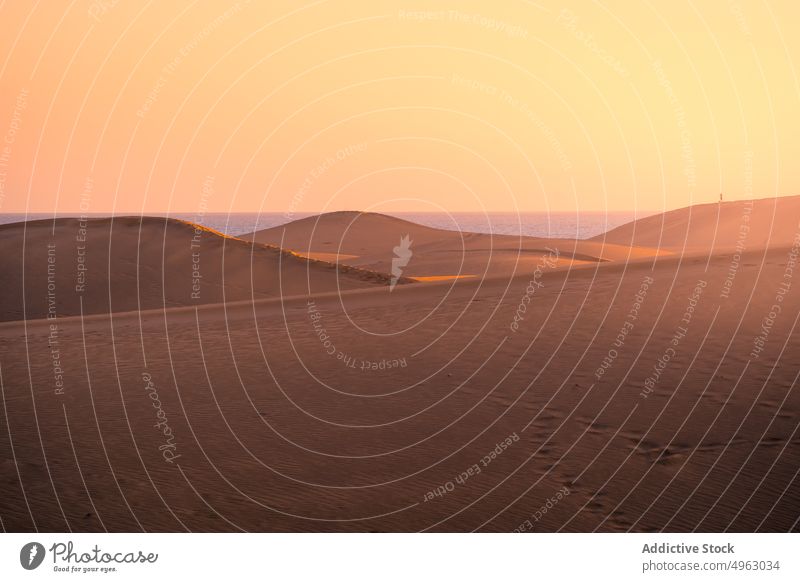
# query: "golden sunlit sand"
{"type": "Point", "coordinates": [441, 278]}
{"type": "Point", "coordinates": [331, 257]}
{"type": "Point", "coordinates": [361, 239]}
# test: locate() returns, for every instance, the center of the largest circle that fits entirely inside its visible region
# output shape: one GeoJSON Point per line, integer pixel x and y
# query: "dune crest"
{"type": "Point", "coordinates": [716, 227]}
{"type": "Point", "coordinates": [68, 267]}
{"type": "Point", "coordinates": [367, 239]}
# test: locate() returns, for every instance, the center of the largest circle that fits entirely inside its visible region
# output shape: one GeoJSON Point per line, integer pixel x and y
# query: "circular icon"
{"type": "Point", "coordinates": [31, 555]}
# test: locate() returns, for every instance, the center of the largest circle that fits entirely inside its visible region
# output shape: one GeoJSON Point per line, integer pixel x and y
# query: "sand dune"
{"type": "Point", "coordinates": [716, 227]}
{"type": "Point", "coordinates": [644, 395]}
{"type": "Point", "coordinates": [366, 239]}
{"type": "Point", "coordinates": [272, 432]}
{"type": "Point", "coordinates": [134, 263]}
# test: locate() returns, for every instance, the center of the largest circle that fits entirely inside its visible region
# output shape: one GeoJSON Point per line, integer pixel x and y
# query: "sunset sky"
{"type": "Point", "coordinates": [395, 106]}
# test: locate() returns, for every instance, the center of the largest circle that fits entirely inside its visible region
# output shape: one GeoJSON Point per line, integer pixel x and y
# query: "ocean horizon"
{"type": "Point", "coordinates": [577, 225]}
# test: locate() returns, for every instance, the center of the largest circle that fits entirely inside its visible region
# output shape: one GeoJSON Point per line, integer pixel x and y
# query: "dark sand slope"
{"type": "Point", "coordinates": [266, 444]}
{"type": "Point", "coordinates": [690, 423]}
{"type": "Point", "coordinates": [367, 239]}
{"type": "Point", "coordinates": [134, 263]}
{"type": "Point", "coordinates": [753, 224]}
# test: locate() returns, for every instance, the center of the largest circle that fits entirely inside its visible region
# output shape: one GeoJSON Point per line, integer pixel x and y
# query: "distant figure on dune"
{"type": "Point", "coordinates": [402, 254]}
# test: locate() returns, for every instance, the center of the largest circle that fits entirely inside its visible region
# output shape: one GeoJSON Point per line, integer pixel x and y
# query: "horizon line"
{"type": "Point", "coordinates": [316, 212]}
{"type": "Point", "coordinates": [313, 212]}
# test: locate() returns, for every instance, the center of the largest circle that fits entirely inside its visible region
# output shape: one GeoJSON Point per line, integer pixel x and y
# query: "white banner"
{"type": "Point", "coordinates": [399, 557]}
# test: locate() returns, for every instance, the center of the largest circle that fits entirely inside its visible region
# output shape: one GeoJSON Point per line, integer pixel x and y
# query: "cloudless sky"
{"type": "Point", "coordinates": [396, 106]}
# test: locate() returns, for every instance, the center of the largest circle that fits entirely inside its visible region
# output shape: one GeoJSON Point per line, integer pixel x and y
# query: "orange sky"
{"type": "Point", "coordinates": [393, 106]}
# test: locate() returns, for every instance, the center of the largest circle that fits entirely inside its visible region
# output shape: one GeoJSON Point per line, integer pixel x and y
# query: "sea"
{"type": "Point", "coordinates": [576, 225]}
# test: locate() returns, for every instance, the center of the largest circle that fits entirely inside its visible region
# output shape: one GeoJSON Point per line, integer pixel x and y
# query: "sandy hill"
{"type": "Point", "coordinates": [755, 224]}
{"type": "Point", "coordinates": [131, 263]}
{"type": "Point", "coordinates": [368, 240]}
{"type": "Point", "coordinates": [274, 433]}
{"type": "Point", "coordinates": [358, 233]}
{"type": "Point", "coordinates": [260, 426]}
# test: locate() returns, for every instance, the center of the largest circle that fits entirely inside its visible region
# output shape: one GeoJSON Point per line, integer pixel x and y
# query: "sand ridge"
{"type": "Point", "coordinates": [714, 227]}
{"type": "Point", "coordinates": [367, 239]}
{"type": "Point", "coordinates": [613, 381]}
{"type": "Point", "coordinates": [132, 263]}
